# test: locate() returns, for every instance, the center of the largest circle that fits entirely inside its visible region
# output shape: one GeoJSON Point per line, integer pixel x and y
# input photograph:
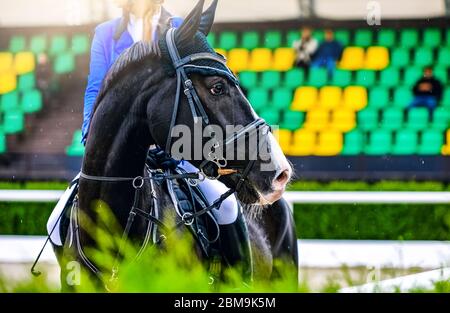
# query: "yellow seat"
{"type": "Point", "coordinates": [352, 58]}
{"type": "Point", "coordinates": [377, 58]}
{"type": "Point", "coordinates": [304, 99]}
{"type": "Point", "coordinates": [238, 59]}
{"type": "Point", "coordinates": [446, 148]}
{"type": "Point", "coordinates": [284, 137]}
{"type": "Point", "coordinates": [8, 81]}
{"type": "Point", "coordinates": [283, 59]}
{"type": "Point", "coordinates": [317, 119]}
{"type": "Point", "coordinates": [260, 59]}
{"type": "Point", "coordinates": [355, 97]}
{"type": "Point", "coordinates": [304, 143]}
{"type": "Point", "coordinates": [343, 119]}
{"type": "Point", "coordinates": [221, 51]}
{"type": "Point", "coordinates": [24, 63]}
{"type": "Point", "coordinates": [330, 143]}
{"type": "Point", "coordinates": [330, 97]}
{"type": "Point", "coordinates": [6, 61]}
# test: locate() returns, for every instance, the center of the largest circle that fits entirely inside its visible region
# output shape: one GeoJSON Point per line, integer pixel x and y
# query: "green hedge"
{"type": "Point", "coordinates": [24, 218]}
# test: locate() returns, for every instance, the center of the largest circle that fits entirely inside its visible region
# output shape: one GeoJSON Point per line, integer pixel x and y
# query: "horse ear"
{"type": "Point", "coordinates": [189, 28]}
{"type": "Point", "coordinates": [208, 18]}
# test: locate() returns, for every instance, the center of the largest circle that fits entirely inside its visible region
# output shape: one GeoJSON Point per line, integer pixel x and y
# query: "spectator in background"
{"type": "Point", "coordinates": [329, 52]}
{"type": "Point", "coordinates": [305, 48]}
{"type": "Point", "coordinates": [427, 91]}
{"type": "Point", "coordinates": [45, 81]}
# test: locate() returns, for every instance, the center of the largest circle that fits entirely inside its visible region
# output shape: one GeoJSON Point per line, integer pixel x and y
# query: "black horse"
{"type": "Point", "coordinates": [138, 106]}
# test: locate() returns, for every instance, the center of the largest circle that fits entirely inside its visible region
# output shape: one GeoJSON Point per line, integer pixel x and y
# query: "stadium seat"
{"type": "Point", "coordinates": [431, 142]}
{"type": "Point", "coordinates": [446, 97]}
{"type": "Point", "coordinates": [402, 97]}
{"type": "Point", "coordinates": [363, 38]}
{"type": "Point", "coordinates": [353, 143]}
{"type": "Point", "coordinates": [380, 142]}
{"type": "Point", "coordinates": [282, 98]}
{"type": "Point", "coordinates": [447, 38]}
{"type": "Point", "coordinates": [432, 37]}
{"type": "Point", "coordinates": [444, 57]}
{"type": "Point", "coordinates": [24, 62]}
{"type": "Point", "coordinates": [368, 119]}
{"type": "Point", "coordinates": [31, 101]}
{"type": "Point", "coordinates": [317, 119]}
{"type": "Point", "coordinates": [80, 44]}
{"type": "Point", "coordinates": [446, 148]}
{"type": "Point", "coordinates": [386, 38]}
{"type": "Point", "coordinates": [26, 82]}
{"type": "Point", "coordinates": [412, 74]}
{"type": "Point", "coordinates": [76, 149]}
{"type": "Point", "coordinates": [258, 98]}
{"type": "Point", "coordinates": [2, 142]}
{"type": "Point", "coordinates": [294, 78]}
{"type": "Point", "coordinates": [250, 40]}
{"type": "Point", "coordinates": [8, 81]}
{"type": "Point", "coordinates": [291, 37]}
{"type": "Point", "coordinates": [409, 38]}
{"type": "Point", "coordinates": [260, 59]}
{"type": "Point", "coordinates": [352, 59]}
{"type": "Point", "coordinates": [211, 38]}
{"type": "Point", "coordinates": [228, 40]}
{"type": "Point", "coordinates": [440, 72]}
{"type": "Point", "coordinates": [319, 35]}
{"type": "Point", "coordinates": [284, 138]}
{"type": "Point", "coordinates": [292, 120]}
{"type": "Point", "coordinates": [9, 101]}
{"type": "Point", "coordinates": [390, 77]}
{"type": "Point", "coordinates": [64, 63]}
{"type": "Point", "coordinates": [283, 59]}
{"type": "Point", "coordinates": [318, 77]}
{"type": "Point", "coordinates": [238, 59]}
{"type": "Point", "coordinates": [417, 119]}
{"type": "Point", "coordinates": [405, 142]}
{"type": "Point", "coordinates": [272, 39]}
{"type": "Point", "coordinates": [400, 57]}
{"type": "Point", "coordinates": [342, 36]}
{"type": "Point", "coordinates": [305, 98]}
{"type": "Point", "coordinates": [248, 79]}
{"type": "Point", "coordinates": [271, 116]}
{"type": "Point", "coordinates": [58, 45]}
{"type": "Point", "coordinates": [377, 58]}
{"type": "Point", "coordinates": [330, 143]}
{"type": "Point", "coordinates": [13, 122]}
{"type": "Point", "coordinates": [330, 97]}
{"type": "Point", "coordinates": [222, 52]}
{"type": "Point", "coordinates": [6, 61]}
{"type": "Point", "coordinates": [17, 44]}
{"type": "Point", "coordinates": [343, 120]}
{"type": "Point", "coordinates": [341, 78]}
{"type": "Point", "coordinates": [38, 44]}
{"type": "Point", "coordinates": [355, 97]}
{"type": "Point", "coordinates": [270, 79]}
{"type": "Point", "coordinates": [423, 57]}
{"type": "Point", "coordinates": [365, 78]}
{"type": "Point", "coordinates": [378, 97]}
{"type": "Point", "coordinates": [392, 119]}
{"type": "Point", "coordinates": [304, 143]}
{"type": "Point", "coordinates": [441, 118]}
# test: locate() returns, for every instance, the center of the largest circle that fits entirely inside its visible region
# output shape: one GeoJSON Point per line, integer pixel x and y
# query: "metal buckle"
{"type": "Point", "coordinates": [188, 219]}
{"type": "Point", "coordinates": [138, 182]}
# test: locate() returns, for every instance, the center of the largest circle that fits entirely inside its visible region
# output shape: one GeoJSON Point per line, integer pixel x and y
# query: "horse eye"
{"type": "Point", "coordinates": [217, 89]}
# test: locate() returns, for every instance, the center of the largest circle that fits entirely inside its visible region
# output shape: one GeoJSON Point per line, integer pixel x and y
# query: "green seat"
{"type": "Point", "coordinates": [417, 118]}
{"type": "Point", "coordinates": [9, 101]}
{"type": "Point", "coordinates": [38, 44]}
{"type": "Point", "coordinates": [405, 142]}
{"type": "Point", "coordinates": [250, 40]}
{"type": "Point", "coordinates": [402, 97]}
{"type": "Point", "coordinates": [76, 149]}
{"type": "Point", "coordinates": [440, 72]}
{"type": "Point", "coordinates": [390, 77]}
{"type": "Point", "coordinates": [64, 63]}
{"type": "Point", "coordinates": [423, 57]}
{"type": "Point", "coordinates": [58, 45]}
{"type": "Point", "coordinates": [342, 36]}
{"type": "Point", "coordinates": [412, 75]}
{"type": "Point", "coordinates": [272, 39]}
{"type": "Point", "coordinates": [291, 36]}
{"type": "Point", "coordinates": [431, 142]}
{"type": "Point", "coordinates": [409, 38]}
{"type": "Point", "coordinates": [367, 119]}
{"type": "Point", "coordinates": [228, 40]}
{"type": "Point", "coordinates": [318, 77]}
{"type": "Point", "coordinates": [17, 44]}
{"type": "Point", "coordinates": [211, 38]}
{"type": "Point", "coordinates": [441, 118]}
{"type": "Point", "coordinates": [294, 78]}
{"type": "Point", "coordinates": [380, 142]}
{"type": "Point", "coordinates": [292, 120]}
{"type": "Point", "coordinates": [319, 34]}
{"type": "Point", "coordinates": [365, 78]}
{"type": "Point", "coordinates": [392, 119]}
{"type": "Point", "coordinates": [353, 143]}
{"type": "Point", "coordinates": [444, 57]}
{"type": "Point", "coordinates": [378, 97]}
{"type": "Point", "coordinates": [248, 79]}
{"type": "Point", "coordinates": [446, 97]}
{"type": "Point", "coordinates": [31, 101]}
{"type": "Point", "coordinates": [77, 136]}
{"type": "Point", "coordinates": [258, 98]}
{"type": "Point", "coordinates": [80, 44]}
{"type": "Point", "coordinates": [400, 57]}
{"type": "Point", "coordinates": [26, 82]}
{"type": "Point", "coordinates": [363, 38]}
{"type": "Point", "coordinates": [271, 116]}
{"type": "Point", "coordinates": [282, 98]}
{"type": "Point", "coordinates": [2, 142]}
{"type": "Point", "coordinates": [13, 122]}
{"type": "Point", "coordinates": [386, 38]}
{"type": "Point", "coordinates": [341, 78]}
{"type": "Point", "coordinates": [432, 37]}
{"type": "Point", "coordinates": [270, 79]}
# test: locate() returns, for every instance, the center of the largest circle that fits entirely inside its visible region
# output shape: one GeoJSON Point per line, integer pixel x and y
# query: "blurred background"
{"type": "Point", "coordinates": [360, 90]}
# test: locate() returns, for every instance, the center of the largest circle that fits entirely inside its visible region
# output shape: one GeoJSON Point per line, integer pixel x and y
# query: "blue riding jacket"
{"type": "Point", "coordinates": [104, 52]}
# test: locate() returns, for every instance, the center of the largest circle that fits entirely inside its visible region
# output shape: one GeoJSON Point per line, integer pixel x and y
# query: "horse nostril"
{"type": "Point", "coordinates": [283, 177]}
